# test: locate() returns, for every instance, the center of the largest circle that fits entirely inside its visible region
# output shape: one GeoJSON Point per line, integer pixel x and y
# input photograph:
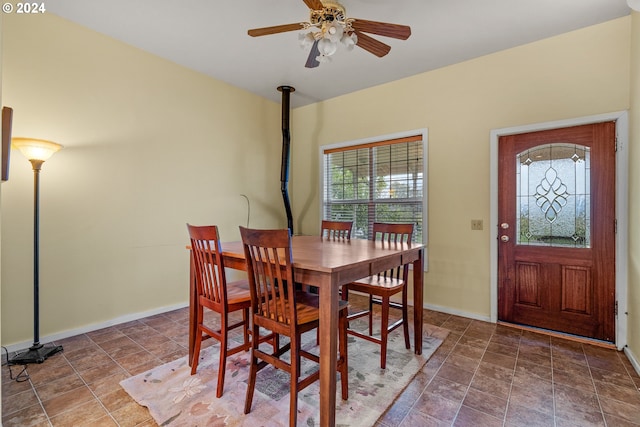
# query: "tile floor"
{"type": "Point", "coordinates": [482, 375]}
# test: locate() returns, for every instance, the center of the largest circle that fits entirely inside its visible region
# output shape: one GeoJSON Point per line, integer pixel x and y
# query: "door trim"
{"type": "Point", "coordinates": [622, 185]}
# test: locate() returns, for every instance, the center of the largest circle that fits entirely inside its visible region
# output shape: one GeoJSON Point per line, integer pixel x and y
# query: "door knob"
{"type": "Point", "coordinates": [504, 238]}
{"type": "Point", "coordinates": [504, 225]}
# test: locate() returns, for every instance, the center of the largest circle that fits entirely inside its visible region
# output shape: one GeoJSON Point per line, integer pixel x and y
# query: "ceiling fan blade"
{"type": "Point", "coordinates": [314, 4]}
{"type": "Point", "coordinates": [312, 62]}
{"type": "Point", "coordinates": [372, 45]}
{"type": "Point", "coordinates": [386, 29]}
{"type": "Point", "coordinates": [275, 29]}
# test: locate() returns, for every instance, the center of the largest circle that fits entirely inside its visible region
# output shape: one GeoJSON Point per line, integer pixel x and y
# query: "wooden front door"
{"type": "Point", "coordinates": [556, 230]}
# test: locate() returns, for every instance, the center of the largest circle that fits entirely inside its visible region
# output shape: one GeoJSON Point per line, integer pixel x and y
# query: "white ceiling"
{"type": "Point", "coordinates": [210, 36]}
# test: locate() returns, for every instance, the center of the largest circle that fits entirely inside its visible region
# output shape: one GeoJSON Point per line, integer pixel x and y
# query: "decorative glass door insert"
{"type": "Point", "coordinates": [553, 196]}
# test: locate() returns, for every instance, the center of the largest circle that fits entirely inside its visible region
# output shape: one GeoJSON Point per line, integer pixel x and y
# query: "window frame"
{"type": "Point", "coordinates": [424, 133]}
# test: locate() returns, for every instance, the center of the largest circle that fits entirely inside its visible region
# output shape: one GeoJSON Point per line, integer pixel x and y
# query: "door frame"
{"type": "Point", "coordinates": [622, 200]}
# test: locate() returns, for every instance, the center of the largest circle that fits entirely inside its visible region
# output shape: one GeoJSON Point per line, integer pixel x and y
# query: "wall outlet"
{"type": "Point", "coordinates": [476, 224]}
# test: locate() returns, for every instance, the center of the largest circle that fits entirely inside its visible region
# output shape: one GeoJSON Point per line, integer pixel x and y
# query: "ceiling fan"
{"type": "Point", "coordinates": [328, 26]}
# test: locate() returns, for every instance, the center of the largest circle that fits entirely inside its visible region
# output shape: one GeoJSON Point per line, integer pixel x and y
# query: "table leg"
{"type": "Point", "coordinates": [328, 350]}
{"type": "Point", "coordinates": [193, 300]}
{"type": "Point", "coordinates": [418, 277]}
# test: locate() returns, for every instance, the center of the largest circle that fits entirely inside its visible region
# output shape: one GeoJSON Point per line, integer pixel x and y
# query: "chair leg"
{"type": "Point", "coordinates": [293, 403]}
{"type": "Point", "coordinates": [294, 375]}
{"type": "Point", "coordinates": [405, 318]}
{"type": "Point", "coordinates": [384, 332]}
{"type": "Point", "coordinates": [253, 370]}
{"type": "Point", "coordinates": [344, 371]}
{"type": "Point", "coordinates": [245, 326]}
{"type": "Point", "coordinates": [344, 294]}
{"type": "Point", "coordinates": [222, 363]}
{"type": "Point", "coordinates": [370, 315]}
{"type": "Point", "coordinates": [196, 352]}
{"type": "Point", "coordinates": [198, 343]}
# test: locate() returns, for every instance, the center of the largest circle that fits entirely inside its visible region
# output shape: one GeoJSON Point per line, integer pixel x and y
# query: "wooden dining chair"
{"type": "Point", "coordinates": [216, 294]}
{"type": "Point", "coordinates": [333, 230]}
{"type": "Point", "coordinates": [336, 230]}
{"type": "Point", "coordinates": [277, 306]}
{"type": "Point", "coordinates": [381, 287]}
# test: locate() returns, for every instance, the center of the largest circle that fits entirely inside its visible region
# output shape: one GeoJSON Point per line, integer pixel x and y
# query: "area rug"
{"type": "Point", "coordinates": [176, 398]}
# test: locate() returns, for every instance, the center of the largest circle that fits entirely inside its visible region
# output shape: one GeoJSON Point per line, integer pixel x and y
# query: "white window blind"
{"type": "Point", "coordinates": [381, 181]}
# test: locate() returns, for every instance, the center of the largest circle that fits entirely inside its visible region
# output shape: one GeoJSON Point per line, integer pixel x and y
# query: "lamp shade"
{"type": "Point", "coordinates": [327, 47]}
{"type": "Point", "coordinates": [35, 149]}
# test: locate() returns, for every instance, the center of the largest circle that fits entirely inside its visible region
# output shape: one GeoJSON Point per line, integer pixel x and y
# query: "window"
{"type": "Point", "coordinates": [376, 181]}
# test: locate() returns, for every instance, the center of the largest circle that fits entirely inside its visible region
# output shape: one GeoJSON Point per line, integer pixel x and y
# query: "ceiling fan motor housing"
{"type": "Point", "coordinates": [329, 13]}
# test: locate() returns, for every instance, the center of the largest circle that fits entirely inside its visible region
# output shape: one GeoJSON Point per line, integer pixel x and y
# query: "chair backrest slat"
{"type": "Point", "coordinates": [394, 234]}
{"type": "Point", "coordinates": [336, 230]}
{"type": "Point", "coordinates": [270, 272]}
{"type": "Point", "coordinates": [209, 267]}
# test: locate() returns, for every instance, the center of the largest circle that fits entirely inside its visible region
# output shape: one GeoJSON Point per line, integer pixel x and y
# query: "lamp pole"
{"type": "Point", "coordinates": [37, 165]}
{"type": "Point", "coordinates": [37, 151]}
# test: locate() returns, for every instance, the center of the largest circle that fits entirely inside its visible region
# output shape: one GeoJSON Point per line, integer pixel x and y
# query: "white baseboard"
{"type": "Point", "coordinates": [633, 359]}
{"type": "Point", "coordinates": [442, 309]}
{"type": "Point", "coordinates": [452, 311]}
{"type": "Point", "coordinates": [94, 327]}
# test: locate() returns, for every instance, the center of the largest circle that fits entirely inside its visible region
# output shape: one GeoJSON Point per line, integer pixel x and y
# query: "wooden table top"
{"type": "Point", "coordinates": [330, 256]}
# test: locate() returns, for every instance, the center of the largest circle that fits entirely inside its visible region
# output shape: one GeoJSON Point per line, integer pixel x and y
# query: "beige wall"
{"type": "Point", "coordinates": [580, 73]}
{"type": "Point", "coordinates": [149, 146]}
{"type": "Point", "coordinates": [634, 195]}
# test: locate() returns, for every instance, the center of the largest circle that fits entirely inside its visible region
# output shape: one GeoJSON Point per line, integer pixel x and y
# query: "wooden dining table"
{"type": "Point", "coordinates": [329, 264]}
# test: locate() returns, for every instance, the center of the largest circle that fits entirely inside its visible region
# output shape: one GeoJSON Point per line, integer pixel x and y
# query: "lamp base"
{"type": "Point", "coordinates": [36, 354]}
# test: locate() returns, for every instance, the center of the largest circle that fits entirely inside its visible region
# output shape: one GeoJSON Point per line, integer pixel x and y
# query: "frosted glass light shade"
{"type": "Point", "coordinates": [327, 47]}
{"type": "Point", "coordinates": [35, 149]}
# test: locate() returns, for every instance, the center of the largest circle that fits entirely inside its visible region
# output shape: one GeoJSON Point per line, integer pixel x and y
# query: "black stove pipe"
{"type": "Point", "coordinates": [286, 145]}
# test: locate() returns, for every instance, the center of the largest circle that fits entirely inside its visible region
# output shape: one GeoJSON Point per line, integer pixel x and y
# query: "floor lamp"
{"type": "Point", "coordinates": [36, 151]}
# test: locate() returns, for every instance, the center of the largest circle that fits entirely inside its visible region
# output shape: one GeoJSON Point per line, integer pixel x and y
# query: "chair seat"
{"type": "Point", "coordinates": [238, 292]}
{"type": "Point", "coordinates": [307, 307]}
{"type": "Point", "coordinates": [312, 303]}
{"type": "Point", "coordinates": [377, 285]}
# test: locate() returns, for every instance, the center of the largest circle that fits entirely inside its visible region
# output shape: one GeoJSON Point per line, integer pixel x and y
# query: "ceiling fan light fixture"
{"type": "Point", "coordinates": [333, 31]}
{"type": "Point", "coordinates": [329, 26]}
{"type": "Point", "coordinates": [323, 58]}
{"type": "Point", "coordinates": [306, 40]}
{"type": "Point", "coordinates": [327, 47]}
{"type": "Point", "coordinates": [349, 40]}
